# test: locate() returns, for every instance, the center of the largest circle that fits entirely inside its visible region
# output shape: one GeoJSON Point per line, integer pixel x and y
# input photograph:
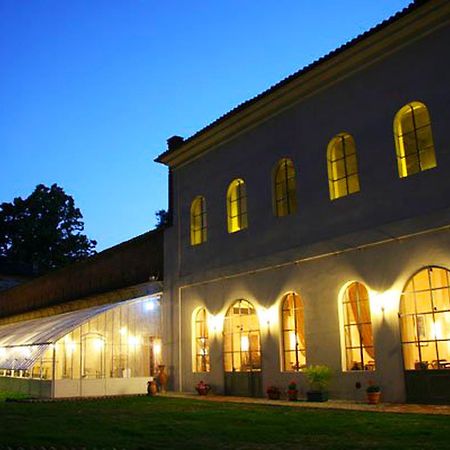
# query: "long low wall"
{"type": "Point", "coordinates": [31, 388]}
{"type": "Point", "coordinates": [75, 388]}
{"type": "Point", "coordinates": [101, 387]}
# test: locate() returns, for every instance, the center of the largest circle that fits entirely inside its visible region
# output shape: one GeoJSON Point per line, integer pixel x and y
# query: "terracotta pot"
{"type": "Point", "coordinates": [162, 378]}
{"type": "Point", "coordinates": [373, 398]}
{"type": "Point", "coordinates": [152, 388]}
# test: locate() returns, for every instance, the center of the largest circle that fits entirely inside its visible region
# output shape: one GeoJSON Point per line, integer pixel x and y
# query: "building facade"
{"type": "Point", "coordinates": [310, 225]}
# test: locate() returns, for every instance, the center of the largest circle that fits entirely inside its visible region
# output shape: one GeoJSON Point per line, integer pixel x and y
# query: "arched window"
{"type": "Point", "coordinates": [198, 221]}
{"type": "Point", "coordinates": [242, 347]}
{"type": "Point", "coordinates": [343, 178]}
{"type": "Point", "coordinates": [284, 188]}
{"type": "Point", "coordinates": [293, 323]}
{"type": "Point", "coordinates": [202, 363]}
{"type": "Point", "coordinates": [359, 349]}
{"type": "Point", "coordinates": [425, 320]}
{"type": "Point", "coordinates": [413, 139]}
{"type": "Point", "coordinates": [237, 206]}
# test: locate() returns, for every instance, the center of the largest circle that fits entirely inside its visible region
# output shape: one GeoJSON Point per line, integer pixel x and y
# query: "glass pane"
{"type": "Point", "coordinates": [411, 357]}
{"type": "Point", "coordinates": [438, 277]}
{"type": "Point", "coordinates": [353, 184]}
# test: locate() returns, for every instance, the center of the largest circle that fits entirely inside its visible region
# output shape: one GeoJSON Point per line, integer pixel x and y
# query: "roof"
{"type": "Point", "coordinates": [22, 343]}
{"type": "Point", "coordinates": [416, 4]}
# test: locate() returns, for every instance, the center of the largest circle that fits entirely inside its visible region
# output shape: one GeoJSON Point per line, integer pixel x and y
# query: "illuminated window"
{"type": "Point", "coordinates": [293, 332]}
{"type": "Point", "coordinates": [284, 188]}
{"type": "Point", "coordinates": [342, 165]}
{"type": "Point", "coordinates": [201, 341]}
{"type": "Point", "coordinates": [198, 221]}
{"type": "Point", "coordinates": [359, 349]}
{"type": "Point", "coordinates": [413, 140]}
{"type": "Point", "coordinates": [237, 206]}
{"type": "Point", "coordinates": [242, 347]}
{"type": "Point", "coordinates": [425, 320]}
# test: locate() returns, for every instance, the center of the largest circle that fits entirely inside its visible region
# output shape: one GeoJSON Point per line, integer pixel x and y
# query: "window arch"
{"type": "Point", "coordinates": [343, 178]}
{"type": "Point", "coordinates": [293, 323]}
{"type": "Point", "coordinates": [359, 348]}
{"type": "Point", "coordinates": [198, 221]}
{"type": "Point", "coordinates": [413, 139]}
{"type": "Point", "coordinates": [237, 206]}
{"type": "Point", "coordinates": [202, 360]}
{"type": "Point", "coordinates": [284, 188]}
{"type": "Point", "coordinates": [242, 342]}
{"type": "Point", "coordinates": [425, 320]}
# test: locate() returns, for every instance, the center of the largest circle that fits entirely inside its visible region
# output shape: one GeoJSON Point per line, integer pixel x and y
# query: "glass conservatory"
{"type": "Point", "coordinates": [104, 350]}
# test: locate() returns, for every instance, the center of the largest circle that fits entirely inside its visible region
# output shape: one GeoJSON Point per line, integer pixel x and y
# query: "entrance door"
{"type": "Point", "coordinates": [242, 351]}
{"type": "Point", "coordinates": [425, 330]}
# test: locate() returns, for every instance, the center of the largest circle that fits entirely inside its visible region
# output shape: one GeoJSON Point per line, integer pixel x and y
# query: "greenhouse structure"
{"type": "Point", "coordinates": [110, 349]}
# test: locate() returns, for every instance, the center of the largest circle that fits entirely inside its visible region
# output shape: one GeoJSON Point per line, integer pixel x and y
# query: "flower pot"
{"type": "Point", "coordinates": [292, 395]}
{"type": "Point", "coordinates": [317, 396]}
{"type": "Point", "coordinates": [152, 388]}
{"type": "Point", "coordinates": [373, 398]}
{"type": "Point", "coordinates": [162, 378]}
{"type": "Point", "coordinates": [203, 390]}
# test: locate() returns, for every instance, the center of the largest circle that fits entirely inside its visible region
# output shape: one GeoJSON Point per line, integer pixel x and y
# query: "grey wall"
{"type": "Point", "coordinates": [364, 105]}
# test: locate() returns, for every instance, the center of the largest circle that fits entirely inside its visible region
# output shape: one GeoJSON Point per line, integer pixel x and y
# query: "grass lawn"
{"type": "Point", "coordinates": [169, 423]}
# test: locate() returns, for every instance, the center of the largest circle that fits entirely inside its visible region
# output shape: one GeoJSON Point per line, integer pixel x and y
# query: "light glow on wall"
{"type": "Point", "coordinates": [384, 302]}
{"type": "Point", "coordinates": [215, 323]}
{"type": "Point", "coordinates": [98, 344]}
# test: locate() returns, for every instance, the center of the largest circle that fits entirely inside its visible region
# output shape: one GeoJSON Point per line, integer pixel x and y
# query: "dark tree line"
{"type": "Point", "coordinates": [43, 230]}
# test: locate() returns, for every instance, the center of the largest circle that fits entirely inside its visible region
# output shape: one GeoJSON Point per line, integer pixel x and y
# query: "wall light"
{"type": "Point", "coordinates": [151, 304]}
{"type": "Point", "coordinates": [215, 323]}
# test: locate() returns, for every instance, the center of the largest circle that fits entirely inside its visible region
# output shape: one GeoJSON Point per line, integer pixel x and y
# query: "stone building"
{"type": "Point", "coordinates": [311, 225]}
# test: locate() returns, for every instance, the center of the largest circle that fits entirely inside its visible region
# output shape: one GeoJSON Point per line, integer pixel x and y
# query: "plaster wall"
{"type": "Point", "coordinates": [363, 104]}
{"type": "Point", "coordinates": [384, 270]}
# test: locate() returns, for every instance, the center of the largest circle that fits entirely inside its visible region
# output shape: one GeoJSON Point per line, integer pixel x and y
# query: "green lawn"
{"type": "Point", "coordinates": [169, 423]}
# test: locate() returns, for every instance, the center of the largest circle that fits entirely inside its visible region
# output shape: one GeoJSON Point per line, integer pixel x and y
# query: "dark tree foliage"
{"type": "Point", "coordinates": [162, 218]}
{"type": "Point", "coordinates": [44, 230]}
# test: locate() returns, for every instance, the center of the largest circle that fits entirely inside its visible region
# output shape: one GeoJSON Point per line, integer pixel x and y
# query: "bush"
{"type": "Point", "coordinates": [318, 377]}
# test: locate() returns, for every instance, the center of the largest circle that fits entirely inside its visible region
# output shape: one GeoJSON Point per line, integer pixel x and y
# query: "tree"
{"type": "Point", "coordinates": [43, 229]}
{"type": "Point", "coordinates": [162, 218]}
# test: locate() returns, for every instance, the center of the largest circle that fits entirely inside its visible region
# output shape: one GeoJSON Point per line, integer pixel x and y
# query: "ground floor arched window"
{"type": "Point", "coordinates": [425, 320]}
{"type": "Point", "coordinates": [293, 323]}
{"type": "Point", "coordinates": [359, 348]}
{"type": "Point", "coordinates": [242, 342]}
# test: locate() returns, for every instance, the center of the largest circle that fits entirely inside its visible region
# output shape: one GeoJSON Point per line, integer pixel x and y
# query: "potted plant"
{"type": "Point", "coordinates": [373, 393]}
{"type": "Point", "coordinates": [292, 391]}
{"type": "Point", "coordinates": [202, 388]}
{"type": "Point", "coordinates": [318, 378]}
{"type": "Point", "coordinates": [273, 393]}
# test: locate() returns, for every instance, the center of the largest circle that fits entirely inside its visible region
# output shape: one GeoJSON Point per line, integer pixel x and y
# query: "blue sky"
{"type": "Point", "coordinates": [91, 89]}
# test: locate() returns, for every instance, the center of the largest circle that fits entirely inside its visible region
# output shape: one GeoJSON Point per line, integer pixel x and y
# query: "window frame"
{"type": "Point", "coordinates": [333, 163]}
{"type": "Point", "coordinates": [198, 233]}
{"type": "Point", "coordinates": [364, 364]}
{"type": "Point", "coordinates": [299, 325]}
{"type": "Point", "coordinates": [237, 214]}
{"type": "Point", "coordinates": [418, 153]}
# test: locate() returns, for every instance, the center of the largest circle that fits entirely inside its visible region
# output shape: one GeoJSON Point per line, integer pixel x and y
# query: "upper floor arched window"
{"type": "Point", "coordinates": [237, 206]}
{"type": "Point", "coordinates": [425, 320]}
{"type": "Point", "coordinates": [198, 221]}
{"type": "Point", "coordinates": [343, 178]}
{"type": "Point", "coordinates": [413, 139]}
{"type": "Point", "coordinates": [359, 348]}
{"type": "Point", "coordinates": [202, 361]}
{"type": "Point", "coordinates": [284, 188]}
{"type": "Point", "coordinates": [293, 323]}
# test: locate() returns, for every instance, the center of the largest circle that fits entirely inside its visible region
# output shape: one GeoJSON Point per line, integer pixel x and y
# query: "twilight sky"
{"type": "Point", "coordinates": [91, 89]}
